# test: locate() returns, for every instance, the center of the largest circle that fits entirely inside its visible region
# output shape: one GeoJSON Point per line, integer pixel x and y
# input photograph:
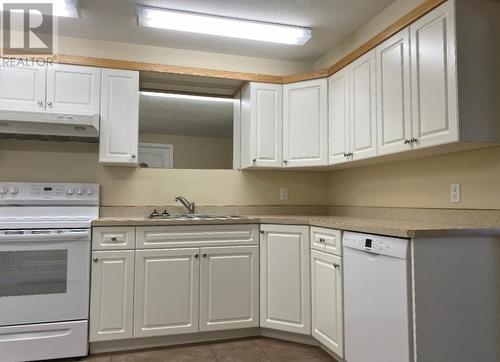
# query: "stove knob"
{"type": "Point", "coordinates": [80, 191]}
{"type": "Point", "coordinates": [3, 190]}
{"type": "Point", "coordinates": [13, 190]}
{"type": "Point", "coordinates": [90, 192]}
{"type": "Point", "coordinates": [70, 191]}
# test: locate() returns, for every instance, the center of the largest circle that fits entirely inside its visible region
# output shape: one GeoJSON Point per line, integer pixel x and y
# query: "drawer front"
{"type": "Point", "coordinates": [113, 238]}
{"type": "Point", "coordinates": [326, 240]}
{"type": "Point", "coordinates": [157, 237]}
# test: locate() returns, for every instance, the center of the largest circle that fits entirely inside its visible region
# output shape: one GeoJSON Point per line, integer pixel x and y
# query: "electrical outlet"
{"type": "Point", "coordinates": [283, 194]}
{"type": "Point", "coordinates": [455, 193]}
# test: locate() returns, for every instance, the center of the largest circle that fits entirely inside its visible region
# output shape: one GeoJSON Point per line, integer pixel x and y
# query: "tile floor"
{"type": "Point", "coordinates": [243, 350]}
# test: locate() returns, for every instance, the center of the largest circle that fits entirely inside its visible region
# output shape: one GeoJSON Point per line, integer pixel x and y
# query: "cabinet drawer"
{"type": "Point", "coordinates": [326, 240]}
{"type": "Point", "coordinates": [113, 238]}
{"type": "Point", "coordinates": [156, 237]}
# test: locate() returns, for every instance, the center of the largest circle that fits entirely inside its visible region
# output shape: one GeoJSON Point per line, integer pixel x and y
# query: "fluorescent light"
{"type": "Point", "coordinates": [188, 97]}
{"type": "Point", "coordinates": [221, 26]}
{"type": "Point", "coordinates": [60, 8]}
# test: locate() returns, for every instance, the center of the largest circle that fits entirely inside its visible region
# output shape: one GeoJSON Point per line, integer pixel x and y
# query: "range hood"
{"type": "Point", "coordinates": [47, 123]}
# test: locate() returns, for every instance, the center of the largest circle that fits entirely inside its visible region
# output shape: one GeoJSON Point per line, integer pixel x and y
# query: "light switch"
{"type": "Point", "coordinates": [455, 193]}
{"type": "Point", "coordinates": [283, 194]}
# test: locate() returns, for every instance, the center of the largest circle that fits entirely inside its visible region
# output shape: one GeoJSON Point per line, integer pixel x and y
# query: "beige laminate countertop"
{"type": "Point", "coordinates": [405, 229]}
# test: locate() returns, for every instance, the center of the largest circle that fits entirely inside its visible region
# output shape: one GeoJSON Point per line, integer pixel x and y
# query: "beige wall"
{"type": "Point", "coordinates": [196, 152]}
{"type": "Point", "coordinates": [423, 182]}
{"type": "Point", "coordinates": [189, 58]}
{"type": "Point", "coordinates": [381, 21]}
{"type": "Point", "coordinates": [74, 162]}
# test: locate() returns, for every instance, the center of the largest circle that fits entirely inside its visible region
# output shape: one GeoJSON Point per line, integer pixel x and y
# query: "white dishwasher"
{"type": "Point", "coordinates": [377, 298]}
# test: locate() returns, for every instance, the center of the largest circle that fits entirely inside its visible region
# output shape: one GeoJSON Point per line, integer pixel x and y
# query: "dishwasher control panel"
{"type": "Point", "coordinates": [377, 244]}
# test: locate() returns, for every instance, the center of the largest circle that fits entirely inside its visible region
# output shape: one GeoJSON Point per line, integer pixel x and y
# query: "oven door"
{"type": "Point", "coordinates": [44, 275]}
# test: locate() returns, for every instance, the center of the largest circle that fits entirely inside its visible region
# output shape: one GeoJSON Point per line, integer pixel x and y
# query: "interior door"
{"type": "Point", "coordinates": [22, 87]}
{"type": "Point", "coordinates": [267, 125]}
{"type": "Point", "coordinates": [229, 288]}
{"type": "Point", "coordinates": [434, 88]}
{"type": "Point", "coordinates": [166, 292]}
{"type": "Point", "coordinates": [339, 116]}
{"type": "Point", "coordinates": [285, 295]}
{"type": "Point", "coordinates": [72, 88]}
{"type": "Point", "coordinates": [112, 295]}
{"type": "Point", "coordinates": [394, 98]}
{"type": "Point", "coordinates": [327, 310]}
{"type": "Point", "coordinates": [305, 123]}
{"type": "Point", "coordinates": [363, 107]}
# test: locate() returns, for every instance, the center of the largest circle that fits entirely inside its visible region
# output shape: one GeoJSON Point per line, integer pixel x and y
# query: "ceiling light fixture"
{"type": "Point", "coordinates": [221, 26]}
{"type": "Point", "coordinates": [187, 97]}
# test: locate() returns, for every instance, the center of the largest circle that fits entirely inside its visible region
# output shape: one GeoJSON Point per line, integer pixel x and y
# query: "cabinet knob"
{"type": "Point", "coordinates": [49, 103]}
{"type": "Point", "coordinates": [113, 238]}
{"type": "Point", "coordinates": [204, 255]}
{"type": "Point", "coordinates": [133, 156]}
{"type": "Point", "coordinates": [321, 240]}
{"type": "Point", "coordinates": [407, 141]}
{"type": "Point", "coordinates": [413, 140]}
{"type": "Point", "coordinates": [95, 260]}
{"type": "Point", "coordinates": [196, 256]}
{"type": "Point", "coordinates": [262, 232]}
{"type": "Point", "coordinates": [336, 265]}
{"type": "Point", "coordinates": [254, 160]}
{"type": "Point", "coordinates": [40, 103]}
{"type": "Point", "coordinates": [285, 161]}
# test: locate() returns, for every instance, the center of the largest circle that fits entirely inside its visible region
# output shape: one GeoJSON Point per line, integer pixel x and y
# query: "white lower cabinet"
{"type": "Point", "coordinates": [166, 292]}
{"type": "Point", "coordinates": [327, 307]}
{"type": "Point", "coordinates": [229, 288]}
{"type": "Point", "coordinates": [285, 295]}
{"type": "Point", "coordinates": [112, 295]}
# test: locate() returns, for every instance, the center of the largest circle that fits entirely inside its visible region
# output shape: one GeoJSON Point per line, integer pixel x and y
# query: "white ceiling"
{"type": "Point", "coordinates": [330, 20]}
{"type": "Point", "coordinates": [185, 117]}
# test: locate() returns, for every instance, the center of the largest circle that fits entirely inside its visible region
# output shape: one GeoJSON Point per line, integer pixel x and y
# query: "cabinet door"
{"type": "Point", "coordinates": [22, 87]}
{"type": "Point", "coordinates": [327, 302]}
{"type": "Point", "coordinates": [339, 116]}
{"type": "Point", "coordinates": [74, 89]}
{"type": "Point", "coordinates": [166, 292]}
{"type": "Point", "coordinates": [394, 99]}
{"type": "Point", "coordinates": [229, 288]}
{"type": "Point", "coordinates": [266, 125]}
{"type": "Point", "coordinates": [112, 295]}
{"type": "Point", "coordinates": [433, 68]}
{"type": "Point", "coordinates": [285, 294]}
{"type": "Point", "coordinates": [363, 107]}
{"type": "Point", "coordinates": [305, 123]}
{"type": "Point", "coordinates": [119, 133]}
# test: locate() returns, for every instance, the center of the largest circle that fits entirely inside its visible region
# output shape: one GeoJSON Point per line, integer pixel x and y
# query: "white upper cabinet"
{"type": "Point", "coordinates": [394, 98]}
{"type": "Point", "coordinates": [363, 107]}
{"type": "Point", "coordinates": [305, 123]}
{"type": "Point", "coordinates": [262, 125]}
{"type": "Point", "coordinates": [285, 283]}
{"type": "Point", "coordinates": [119, 132]}
{"type": "Point", "coordinates": [339, 116]}
{"type": "Point", "coordinates": [229, 288]}
{"type": "Point", "coordinates": [434, 85]}
{"type": "Point", "coordinates": [22, 87]}
{"type": "Point", "coordinates": [73, 89]}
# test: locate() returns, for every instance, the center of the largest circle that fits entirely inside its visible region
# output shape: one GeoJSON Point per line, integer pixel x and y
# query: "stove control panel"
{"type": "Point", "coordinates": [51, 193]}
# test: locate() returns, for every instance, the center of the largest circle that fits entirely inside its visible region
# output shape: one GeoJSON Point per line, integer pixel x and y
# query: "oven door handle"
{"type": "Point", "coordinates": [55, 235]}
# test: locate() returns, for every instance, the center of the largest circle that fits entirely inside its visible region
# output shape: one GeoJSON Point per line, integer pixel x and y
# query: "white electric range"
{"type": "Point", "coordinates": [45, 235]}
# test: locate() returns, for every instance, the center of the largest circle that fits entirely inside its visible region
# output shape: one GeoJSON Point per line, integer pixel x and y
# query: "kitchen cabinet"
{"type": "Point", "coordinates": [119, 129]}
{"type": "Point", "coordinates": [166, 292]}
{"type": "Point", "coordinates": [22, 87]}
{"type": "Point", "coordinates": [394, 124]}
{"type": "Point", "coordinates": [112, 295]}
{"type": "Point", "coordinates": [285, 294]}
{"type": "Point", "coordinates": [305, 123]}
{"type": "Point", "coordinates": [352, 111]}
{"type": "Point", "coordinates": [326, 240]}
{"type": "Point", "coordinates": [262, 125]}
{"type": "Point", "coordinates": [229, 287]}
{"type": "Point", "coordinates": [326, 300]}
{"type": "Point", "coordinates": [434, 78]}
{"type": "Point", "coordinates": [73, 89]}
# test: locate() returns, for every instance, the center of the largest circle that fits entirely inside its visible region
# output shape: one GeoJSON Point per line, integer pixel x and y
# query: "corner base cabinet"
{"type": "Point", "coordinates": [285, 296]}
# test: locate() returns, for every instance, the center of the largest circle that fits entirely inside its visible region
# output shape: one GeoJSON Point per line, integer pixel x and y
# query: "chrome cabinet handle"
{"type": "Point", "coordinates": [95, 260]}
